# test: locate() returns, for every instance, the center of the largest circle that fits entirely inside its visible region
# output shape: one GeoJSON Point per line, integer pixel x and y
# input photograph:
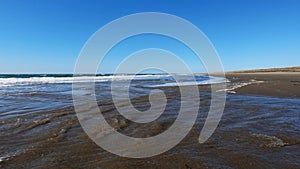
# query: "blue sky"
{"type": "Point", "coordinates": [47, 36]}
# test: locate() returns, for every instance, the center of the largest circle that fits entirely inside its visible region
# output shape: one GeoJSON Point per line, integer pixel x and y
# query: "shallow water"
{"type": "Point", "coordinates": [39, 129]}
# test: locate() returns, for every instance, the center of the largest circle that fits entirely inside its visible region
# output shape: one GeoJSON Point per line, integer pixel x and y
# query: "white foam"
{"type": "Point", "coordinates": [185, 80]}
{"type": "Point", "coordinates": [3, 158]}
{"type": "Point", "coordinates": [233, 86]}
{"type": "Point", "coordinates": [5, 82]}
{"type": "Point", "coordinates": [212, 80]}
{"type": "Point", "coordinates": [10, 155]}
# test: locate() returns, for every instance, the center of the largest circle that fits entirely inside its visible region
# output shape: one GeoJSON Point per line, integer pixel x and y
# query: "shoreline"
{"type": "Point", "coordinates": [49, 134]}
{"type": "Point", "coordinates": [275, 84]}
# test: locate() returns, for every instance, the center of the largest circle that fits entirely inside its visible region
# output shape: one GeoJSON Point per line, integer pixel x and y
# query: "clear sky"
{"type": "Point", "coordinates": [47, 36]}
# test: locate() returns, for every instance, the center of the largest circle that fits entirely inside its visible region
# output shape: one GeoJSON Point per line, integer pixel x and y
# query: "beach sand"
{"type": "Point", "coordinates": [276, 84]}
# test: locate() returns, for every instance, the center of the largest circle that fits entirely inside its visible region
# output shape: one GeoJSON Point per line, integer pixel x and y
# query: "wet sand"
{"type": "Point", "coordinates": [276, 84]}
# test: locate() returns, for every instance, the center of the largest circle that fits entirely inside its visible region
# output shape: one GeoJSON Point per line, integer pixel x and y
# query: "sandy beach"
{"type": "Point", "coordinates": [276, 84]}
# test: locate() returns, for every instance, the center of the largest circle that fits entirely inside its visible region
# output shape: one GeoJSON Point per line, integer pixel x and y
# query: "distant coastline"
{"type": "Point", "coordinates": [285, 69]}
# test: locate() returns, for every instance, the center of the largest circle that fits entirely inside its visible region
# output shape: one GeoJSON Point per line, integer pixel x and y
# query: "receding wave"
{"type": "Point", "coordinates": [210, 80]}
{"type": "Point", "coordinates": [21, 81]}
{"type": "Point", "coordinates": [17, 81]}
